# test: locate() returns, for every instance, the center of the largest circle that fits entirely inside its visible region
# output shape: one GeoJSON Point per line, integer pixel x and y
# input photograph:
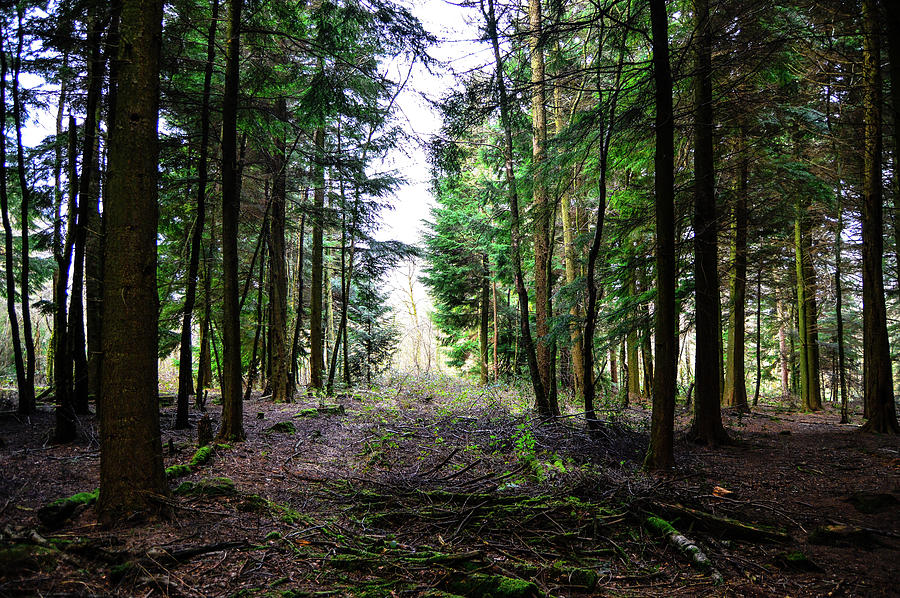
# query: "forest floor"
{"type": "Point", "coordinates": [436, 488]}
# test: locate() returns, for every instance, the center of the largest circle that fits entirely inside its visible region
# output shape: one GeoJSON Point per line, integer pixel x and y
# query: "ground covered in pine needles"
{"type": "Point", "coordinates": [436, 488]}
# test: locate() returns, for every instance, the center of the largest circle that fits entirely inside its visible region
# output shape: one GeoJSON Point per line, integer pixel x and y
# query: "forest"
{"type": "Point", "coordinates": [643, 345]}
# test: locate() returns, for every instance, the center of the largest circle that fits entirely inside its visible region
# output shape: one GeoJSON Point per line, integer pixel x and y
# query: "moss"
{"type": "Point", "coordinates": [498, 586]}
{"type": "Point", "coordinates": [59, 511]}
{"type": "Point", "coordinates": [177, 471]}
{"type": "Point", "coordinates": [26, 557]}
{"type": "Point", "coordinates": [273, 536]}
{"type": "Point", "coordinates": [660, 526]}
{"type": "Point", "coordinates": [282, 428]}
{"type": "Point", "coordinates": [202, 456]}
{"type": "Point", "coordinates": [309, 412]}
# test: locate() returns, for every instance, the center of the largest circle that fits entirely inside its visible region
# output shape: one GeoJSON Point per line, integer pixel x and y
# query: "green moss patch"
{"type": "Point", "coordinates": [282, 428]}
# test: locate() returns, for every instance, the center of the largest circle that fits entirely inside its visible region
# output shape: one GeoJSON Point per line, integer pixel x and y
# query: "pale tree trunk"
{"type": "Point", "coordinates": [541, 210]}
{"type": "Point", "coordinates": [735, 393]}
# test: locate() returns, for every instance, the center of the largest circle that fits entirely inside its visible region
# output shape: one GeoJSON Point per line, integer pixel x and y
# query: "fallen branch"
{"type": "Point", "coordinates": [725, 525]}
{"type": "Point", "coordinates": [687, 547]}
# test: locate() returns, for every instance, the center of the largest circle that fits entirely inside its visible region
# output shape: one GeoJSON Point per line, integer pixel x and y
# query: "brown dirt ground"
{"type": "Point", "coordinates": [420, 487]}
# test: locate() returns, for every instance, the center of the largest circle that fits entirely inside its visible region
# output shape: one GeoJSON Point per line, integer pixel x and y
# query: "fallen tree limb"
{"type": "Point", "coordinates": [687, 547]}
{"type": "Point", "coordinates": [725, 526]}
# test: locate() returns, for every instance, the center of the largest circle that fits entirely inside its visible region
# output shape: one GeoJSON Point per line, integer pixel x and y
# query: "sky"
{"type": "Point", "coordinates": [458, 51]}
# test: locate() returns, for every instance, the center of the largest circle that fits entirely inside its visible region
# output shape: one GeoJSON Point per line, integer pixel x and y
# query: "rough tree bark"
{"type": "Point", "coordinates": [878, 388]}
{"type": "Point", "coordinates": [232, 427]}
{"type": "Point", "coordinates": [660, 453]}
{"type": "Point", "coordinates": [279, 379]}
{"type": "Point", "coordinates": [707, 424]}
{"type": "Point", "coordinates": [131, 465]}
{"type": "Point", "coordinates": [540, 208]}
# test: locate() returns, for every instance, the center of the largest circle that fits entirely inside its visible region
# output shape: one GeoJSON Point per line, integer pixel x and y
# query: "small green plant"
{"type": "Point", "coordinates": [524, 443]}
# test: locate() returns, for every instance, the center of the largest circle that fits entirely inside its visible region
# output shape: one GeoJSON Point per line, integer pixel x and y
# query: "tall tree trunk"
{"type": "Point", "coordinates": [878, 388]}
{"type": "Point", "coordinates": [707, 425]}
{"type": "Point", "coordinates": [279, 380]}
{"type": "Point", "coordinates": [131, 466]}
{"type": "Point", "coordinates": [298, 321]}
{"type": "Point", "coordinates": [735, 394]}
{"type": "Point", "coordinates": [783, 353]}
{"type": "Point", "coordinates": [186, 354]}
{"type": "Point", "coordinates": [758, 336]}
{"type": "Point", "coordinates": [21, 377]}
{"type": "Point", "coordinates": [485, 318]}
{"type": "Point", "coordinates": [540, 208]}
{"type": "Point", "coordinates": [316, 340]}
{"type": "Point", "coordinates": [632, 353]}
{"type": "Point", "coordinates": [514, 226]}
{"type": "Point", "coordinates": [893, 36]}
{"type": "Point", "coordinates": [87, 201]}
{"type": "Point", "coordinates": [232, 427]}
{"type": "Point", "coordinates": [26, 401]}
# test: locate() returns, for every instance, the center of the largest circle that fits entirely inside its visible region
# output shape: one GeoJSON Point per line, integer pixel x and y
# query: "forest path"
{"type": "Point", "coordinates": [422, 490]}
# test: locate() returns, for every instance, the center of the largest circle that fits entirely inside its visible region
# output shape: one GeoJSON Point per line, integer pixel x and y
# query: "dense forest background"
{"type": "Point", "coordinates": [633, 201]}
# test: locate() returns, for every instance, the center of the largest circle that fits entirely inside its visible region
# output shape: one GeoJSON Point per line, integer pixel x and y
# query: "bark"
{"type": "Point", "coordinates": [893, 36]}
{"type": "Point", "coordinates": [660, 453]}
{"type": "Point", "coordinates": [26, 398]}
{"type": "Point", "coordinates": [632, 354]}
{"type": "Point", "coordinates": [316, 340]}
{"type": "Point", "coordinates": [485, 319]}
{"type": "Point", "coordinates": [131, 465]}
{"type": "Point", "coordinates": [514, 226]}
{"type": "Point", "coordinates": [19, 361]}
{"type": "Point", "coordinates": [707, 425]}
{"type": "Point", "coordinates": [735, 394]}
{"type": "Point", "coordinates": [540, 208]}
{"type": "Point", "coordinates": [232, 427]}
{"type": "Point", "coordinates": [186, 356]}
{"type": "Point", "coordinates": [87, 201]}
{"type": "Point", "coordinates": [758, 336]}
{"type": "Point", "coordinates": [878, 389]}
{"type": "Point", "coordinates": [279, 379]}
{"type": "Point", "coordinates": [783, 352]}
{"type": "Point", "coordinates": [298, 321]}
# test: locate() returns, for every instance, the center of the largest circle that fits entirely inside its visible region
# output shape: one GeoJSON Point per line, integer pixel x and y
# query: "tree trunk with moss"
{"type": "Point", "coordinates": [735, 393]}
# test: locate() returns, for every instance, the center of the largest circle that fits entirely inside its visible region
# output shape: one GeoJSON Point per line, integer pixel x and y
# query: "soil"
{"type": "Point", "coordinates": [437, 488]}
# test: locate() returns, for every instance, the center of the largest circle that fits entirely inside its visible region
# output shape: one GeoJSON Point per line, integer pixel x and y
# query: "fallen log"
{"type": "Point", "coordinates": [725, 526]}
{"type": "Point", "coordinates": [687, 547]}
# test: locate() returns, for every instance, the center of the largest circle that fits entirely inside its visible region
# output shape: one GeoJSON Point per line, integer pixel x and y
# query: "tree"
{"type": "Point", "coordinates": [660, 453]}
{"type": "Point", "coordinates": [232, 427]}
{"type": "Point", "coordinates": [878, 388]}
{"type": "Point", "coordinates": [185, 357]}
{"type": "Point", "coordinates": [131, 467]}
{"type": "Point", "coordinates": [707, 425]}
